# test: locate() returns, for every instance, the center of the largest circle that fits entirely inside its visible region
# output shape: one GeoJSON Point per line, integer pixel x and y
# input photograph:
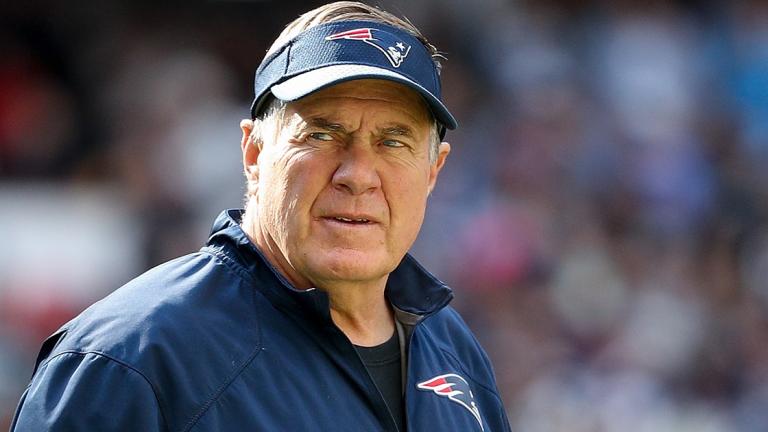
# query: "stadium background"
{"type": "Point", "coordinates": [602, 216]}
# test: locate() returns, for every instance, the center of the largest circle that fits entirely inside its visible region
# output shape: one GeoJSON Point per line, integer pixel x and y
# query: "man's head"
{"type": "Point", "coordinates": [344, 147]}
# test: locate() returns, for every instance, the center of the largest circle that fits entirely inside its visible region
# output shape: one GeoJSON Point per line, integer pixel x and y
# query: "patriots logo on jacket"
{"type": "Point", "coordinates": [394, 49]}
{"type": "Point", "coordinates": [456, 389]}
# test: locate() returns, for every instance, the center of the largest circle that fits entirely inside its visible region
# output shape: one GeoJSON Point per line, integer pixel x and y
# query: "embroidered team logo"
{"type": "Point", "coordinates": [394, 49]}
{"type": "Point", "coordinates": [456, 389]}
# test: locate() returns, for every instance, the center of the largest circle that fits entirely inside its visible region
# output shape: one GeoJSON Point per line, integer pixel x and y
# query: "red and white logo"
{"type": "Point", "coordinates": [456, 389]}
{"type": "Point", "coordinates": [389, 44]}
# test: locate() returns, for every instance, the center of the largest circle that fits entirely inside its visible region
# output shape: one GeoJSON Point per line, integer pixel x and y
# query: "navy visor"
{"type": "Point", "coordinates": [341, 51]}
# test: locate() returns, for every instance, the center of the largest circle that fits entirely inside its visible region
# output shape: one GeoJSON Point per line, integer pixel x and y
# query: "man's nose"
{"type": "Point", "coordinates": [357, 171]}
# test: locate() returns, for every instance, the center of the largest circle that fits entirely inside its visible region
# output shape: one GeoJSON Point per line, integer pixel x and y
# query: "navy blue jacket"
{"type": "Point", "coordinates": [219, 341]}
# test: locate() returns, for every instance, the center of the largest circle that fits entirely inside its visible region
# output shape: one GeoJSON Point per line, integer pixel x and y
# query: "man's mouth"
{"type": "Point", "coordinates": [355, 221]}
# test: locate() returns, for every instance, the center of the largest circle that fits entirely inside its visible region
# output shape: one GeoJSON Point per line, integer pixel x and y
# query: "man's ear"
{"type": "Point", "coordinates": [251, 147]}
{"type": "Point", "coordinates": [434, 170]}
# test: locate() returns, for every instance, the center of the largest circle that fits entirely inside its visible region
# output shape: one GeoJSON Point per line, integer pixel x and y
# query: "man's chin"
{"type": "Point", "coordinates": [351, 268]}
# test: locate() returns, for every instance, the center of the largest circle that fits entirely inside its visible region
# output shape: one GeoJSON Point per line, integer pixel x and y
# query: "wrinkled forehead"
{"type": "Point", "coordinates": [396, 100]}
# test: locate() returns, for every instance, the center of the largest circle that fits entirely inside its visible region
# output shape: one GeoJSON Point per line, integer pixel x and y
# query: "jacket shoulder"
{"type": "Point", "coordinates": [188, 326]}
{"type": "Point", "coordinates": [170, 303]}
{"type": "Point", "coordinates": [78, 392]}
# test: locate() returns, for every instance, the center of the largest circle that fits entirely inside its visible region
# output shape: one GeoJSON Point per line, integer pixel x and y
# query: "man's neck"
{"type": "Point", "coordinates": [363, 315]}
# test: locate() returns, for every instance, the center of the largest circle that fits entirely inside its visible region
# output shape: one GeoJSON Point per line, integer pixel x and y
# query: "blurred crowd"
{"type": "Point", "coordinates": [602, 216]}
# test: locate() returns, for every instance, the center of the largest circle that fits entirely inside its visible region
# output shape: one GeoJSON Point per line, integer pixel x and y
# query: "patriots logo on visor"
{"type": "Point", "coordinates": [394, 49]}
{"type": "Point", "coordinates": [456, 389]}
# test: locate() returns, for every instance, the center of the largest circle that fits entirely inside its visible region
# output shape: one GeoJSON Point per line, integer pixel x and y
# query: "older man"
{"type": "Point", "coordinates": [304, 312]}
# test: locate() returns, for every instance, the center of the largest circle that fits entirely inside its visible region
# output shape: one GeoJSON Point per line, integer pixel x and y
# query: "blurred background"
{"type": "Point", "coordinates": [602, 216]}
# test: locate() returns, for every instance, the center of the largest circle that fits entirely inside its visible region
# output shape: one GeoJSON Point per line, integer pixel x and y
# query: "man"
{"type": "Point", "coordinates": [304, 312]}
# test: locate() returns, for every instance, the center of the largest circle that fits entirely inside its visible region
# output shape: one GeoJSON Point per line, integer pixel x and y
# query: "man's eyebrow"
{"type": "Point", "coordinates": [325, 124]}
{"type": "Point", "coordinates": [399, 130]}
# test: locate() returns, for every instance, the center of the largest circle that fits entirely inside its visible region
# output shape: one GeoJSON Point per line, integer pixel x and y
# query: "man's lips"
{"type": "Point", "coordinates": [351, 219]}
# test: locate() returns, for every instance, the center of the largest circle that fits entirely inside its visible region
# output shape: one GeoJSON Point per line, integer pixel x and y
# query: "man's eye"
{"type": "Point", "coordinates": [321, 136]}
{"type": "Point", "coordinates": [393, 143]}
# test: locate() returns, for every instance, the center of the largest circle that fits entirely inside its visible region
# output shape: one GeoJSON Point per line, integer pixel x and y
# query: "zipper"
{"type": "Point", "coordinates": [405, 332]}
{"type": "Point", "coordinates": [406, 323]}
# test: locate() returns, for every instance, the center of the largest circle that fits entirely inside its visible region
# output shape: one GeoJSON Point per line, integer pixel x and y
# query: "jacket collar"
{"type": "Point", "coordinates": [413, 291]}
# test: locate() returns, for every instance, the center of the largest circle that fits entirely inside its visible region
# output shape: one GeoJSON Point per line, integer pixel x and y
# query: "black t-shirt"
{"type": "Point", "coordinates": [383, 363]}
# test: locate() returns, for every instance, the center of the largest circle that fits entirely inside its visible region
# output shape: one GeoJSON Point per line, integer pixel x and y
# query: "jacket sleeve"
{"type": "Point", "coordinates": [88, 392]}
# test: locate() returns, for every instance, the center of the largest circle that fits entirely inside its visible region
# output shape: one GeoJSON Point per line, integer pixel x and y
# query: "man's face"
{"type": "Point", "coordinates": [341, 191]}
